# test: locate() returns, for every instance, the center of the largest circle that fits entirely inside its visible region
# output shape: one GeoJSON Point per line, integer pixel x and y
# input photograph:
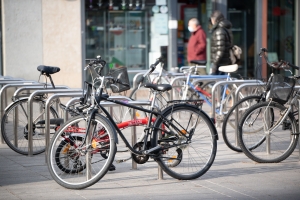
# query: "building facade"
{"type": "Point", "coordinates": [133, 33]}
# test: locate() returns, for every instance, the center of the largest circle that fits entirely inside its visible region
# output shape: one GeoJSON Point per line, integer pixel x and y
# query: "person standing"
{"type": "Point", "coordinates": [221, 42]}
{"type": "Point", "coordinates": [196, 49]}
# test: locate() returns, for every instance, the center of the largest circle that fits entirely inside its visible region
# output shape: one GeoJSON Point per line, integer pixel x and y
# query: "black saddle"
{"type": "Point", "coordinates": [48, 69]}
{"type": "Point", "coordinates": [198, 62]}
{"type": "Point", "coordinates": [158, 87]}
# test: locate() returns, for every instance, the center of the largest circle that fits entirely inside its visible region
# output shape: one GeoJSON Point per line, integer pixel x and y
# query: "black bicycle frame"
{"type": "Point", "coordinates": [152, 112]}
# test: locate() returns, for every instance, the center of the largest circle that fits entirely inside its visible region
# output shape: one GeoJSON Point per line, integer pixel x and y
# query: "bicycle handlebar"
{"type": "Point", "coordinates": [151, 69]}
{"type": "Point", "coordinates": [276, 65]}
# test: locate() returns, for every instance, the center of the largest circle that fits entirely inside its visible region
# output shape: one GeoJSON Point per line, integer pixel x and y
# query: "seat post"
{"type": "Point", "coordinates": [49, 76]}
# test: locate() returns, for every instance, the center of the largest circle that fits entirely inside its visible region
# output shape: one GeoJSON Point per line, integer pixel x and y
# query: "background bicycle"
{"type": "Point", "coordinates": [268, 131]}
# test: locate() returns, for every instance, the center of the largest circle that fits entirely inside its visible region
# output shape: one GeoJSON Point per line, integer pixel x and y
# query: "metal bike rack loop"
{"type": "Point", "coordinates": [236, 110]}
{"type": "Point", "coordinates": [47, 114]}
{"type": "Point", "coordinates": [3, 94]}
{"type": "Point", "coordinates": [68, 104]}
{"type": "Point", "coordinates": [216, 85]}
{"type": "Point", "coordinates": [13, 81]}
{"type": "Point", "coordinates": [30, 111]}
{"type": "Point", "coordinates": [34, 88]}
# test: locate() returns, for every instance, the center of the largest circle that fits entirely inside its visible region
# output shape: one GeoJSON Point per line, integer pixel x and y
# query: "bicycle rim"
{"type": "Point", "coordinates": [76, 162]}
{"type": "Point", "coordinates": [187, 160]}
{"type": "Point", "coordinates": [229, 126]}
{"type": "Point", "coordinates": [272, 146]}
{"type": "Point", "coordinates": [15, 123]}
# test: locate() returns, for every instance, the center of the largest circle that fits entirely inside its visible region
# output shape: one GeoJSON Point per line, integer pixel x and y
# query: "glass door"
{"type": "Point", "coordinates": [117, 43]}
{"type": "Point", "coordinates": [136, 40]}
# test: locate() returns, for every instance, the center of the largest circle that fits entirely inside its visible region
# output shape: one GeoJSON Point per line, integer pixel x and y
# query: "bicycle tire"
{"type": "Point", "coordinates": [20, 143]}
{"type": "Point", "coordinates": [101, 147]}
{"type": "Point", "coordinates": [281, 143]}
{"type": "Point", "coordinates": [198, 154]}
{"type": "Point", "coordinates": [229, 127]}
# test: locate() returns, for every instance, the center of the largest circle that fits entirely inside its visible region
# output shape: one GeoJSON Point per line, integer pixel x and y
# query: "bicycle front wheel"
{"type": "Point", "coordinates": [189, 139]}
{"type": "Point", "coordinates": [229, 127]}
{"type": "Point", "coordinates": [14, 126]}
{"type": "Point", "coordinates": [77, 159]}
{"type": "Point", "coordinates": [271, 146]}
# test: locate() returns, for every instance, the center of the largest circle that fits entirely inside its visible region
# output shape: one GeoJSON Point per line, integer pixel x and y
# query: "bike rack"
{"type": "Point", "coordinates": [216, 85]}
{"type": "Point", "coordinates": [47, 114]}
{"type": "Point", "coordinates": [199, 78]}
{"type": "Point", "coordinates": [3, 94]}
{"type": "Point", "coordinates": [236, 99]}
{"type": "Point", "coordinates": [68, 104]}
{"type": "Point", "coordinates": [14, 81]}
{"type": "Point", "coordinates": [30, 111]}
{"type": "Point", "coordinates": [298, 87]}
{"type": "Point", "coordinates": [33, 88]}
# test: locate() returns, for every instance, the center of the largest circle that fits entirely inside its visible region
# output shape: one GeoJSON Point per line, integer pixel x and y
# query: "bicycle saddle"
{"type": "Point", "coordinates": [198, 62]}
{"type": "Point", "coordinates": [228, 68]}
{"type": "Point", "coordinates": [48, 69]}
{"type": "Point", "coordinates": [158, 87]}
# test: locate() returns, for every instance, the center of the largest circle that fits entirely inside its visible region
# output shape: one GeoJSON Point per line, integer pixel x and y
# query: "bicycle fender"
{"type": "Point", "coordinates": [14, 102]}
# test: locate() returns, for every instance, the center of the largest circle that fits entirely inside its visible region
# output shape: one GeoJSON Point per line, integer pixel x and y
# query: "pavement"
{"type": "Point", "coordinates": [232, 176]}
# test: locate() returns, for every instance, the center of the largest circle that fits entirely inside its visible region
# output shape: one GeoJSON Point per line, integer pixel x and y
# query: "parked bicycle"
{"type": "Point", "coordinates": [230, 124]}
{"type": "Point", "coordinates": [191, 91]}
{"type": "Point", "coordinates": [14, 122]}
{"type": "Point", "coordinates": [270, 127]}
{"type": "Point", "coordinates": [78, 160]}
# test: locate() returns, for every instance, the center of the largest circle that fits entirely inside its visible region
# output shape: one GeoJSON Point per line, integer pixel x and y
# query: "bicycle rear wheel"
{"type": "Point", "coordinates": [14, 126]}
{"type": "Point", "coordinates": [229, 126]}
{"type": "Point", "coordinates": [77, 160]}
{"type": "Point", "coordinates": [254, 128]}
{"type": "Point", "coordinates": [189, 140]}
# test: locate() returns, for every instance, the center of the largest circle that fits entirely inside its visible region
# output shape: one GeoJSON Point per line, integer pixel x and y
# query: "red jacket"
{"type": "Point", "coordinates": [196, 49]}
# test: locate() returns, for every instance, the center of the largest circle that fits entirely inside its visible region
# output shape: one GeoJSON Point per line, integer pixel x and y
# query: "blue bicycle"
{"type": "Point", "coordinates": [194, 90]}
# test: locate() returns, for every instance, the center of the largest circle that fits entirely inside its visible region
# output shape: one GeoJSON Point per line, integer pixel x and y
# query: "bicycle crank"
{"type": "Point", "coordinates": [139, 159]}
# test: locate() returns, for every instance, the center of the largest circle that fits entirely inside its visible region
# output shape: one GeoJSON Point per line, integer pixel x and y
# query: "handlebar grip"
{"type": "Point", "coordinates": [153, 66]}
{"type": "Point", "coordinates": [293, 66]}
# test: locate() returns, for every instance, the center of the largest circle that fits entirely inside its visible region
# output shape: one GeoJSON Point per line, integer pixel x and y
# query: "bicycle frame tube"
{"type": "Point", "coordinates": [119, 131]}
{"type": "Point", "coordinates": [218, 111]}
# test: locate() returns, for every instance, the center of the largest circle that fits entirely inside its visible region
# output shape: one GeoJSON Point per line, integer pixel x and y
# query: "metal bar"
{"type": "Point", "coordinates": [30, 113]}
{"type": "Point", "coordinates": [299, 128]}
{"type": "Point", "coordinates": [216, 85]}
{"type": "Point", "coordinates": [68, 104]}
{"type": "Point", "coordinates": [31, 88]}
{"type": "Point", "coordinates": [3, 96]}
{"type": "Point", "coordinates": [133, 139]}
{"type": "Point", "coordinates": [47, 114]}
{"type": "Point", "coordinates": [236, 96]}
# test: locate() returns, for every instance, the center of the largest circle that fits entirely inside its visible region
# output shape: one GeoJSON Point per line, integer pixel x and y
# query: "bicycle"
{"type": "Point", "coordinates": [173, 144]}
{"type": "Point", "coordinates": [260, 124]}
{"type": "Point", "coordinates": [229, 123]}
{"type": "Point", "coordinates": [14, 127]}
{"type": "Point", "coordinates": [191, 91]}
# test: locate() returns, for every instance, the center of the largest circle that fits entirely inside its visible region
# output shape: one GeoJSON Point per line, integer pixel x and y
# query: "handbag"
{"type": "Point", "coordinates": [235, 51]}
